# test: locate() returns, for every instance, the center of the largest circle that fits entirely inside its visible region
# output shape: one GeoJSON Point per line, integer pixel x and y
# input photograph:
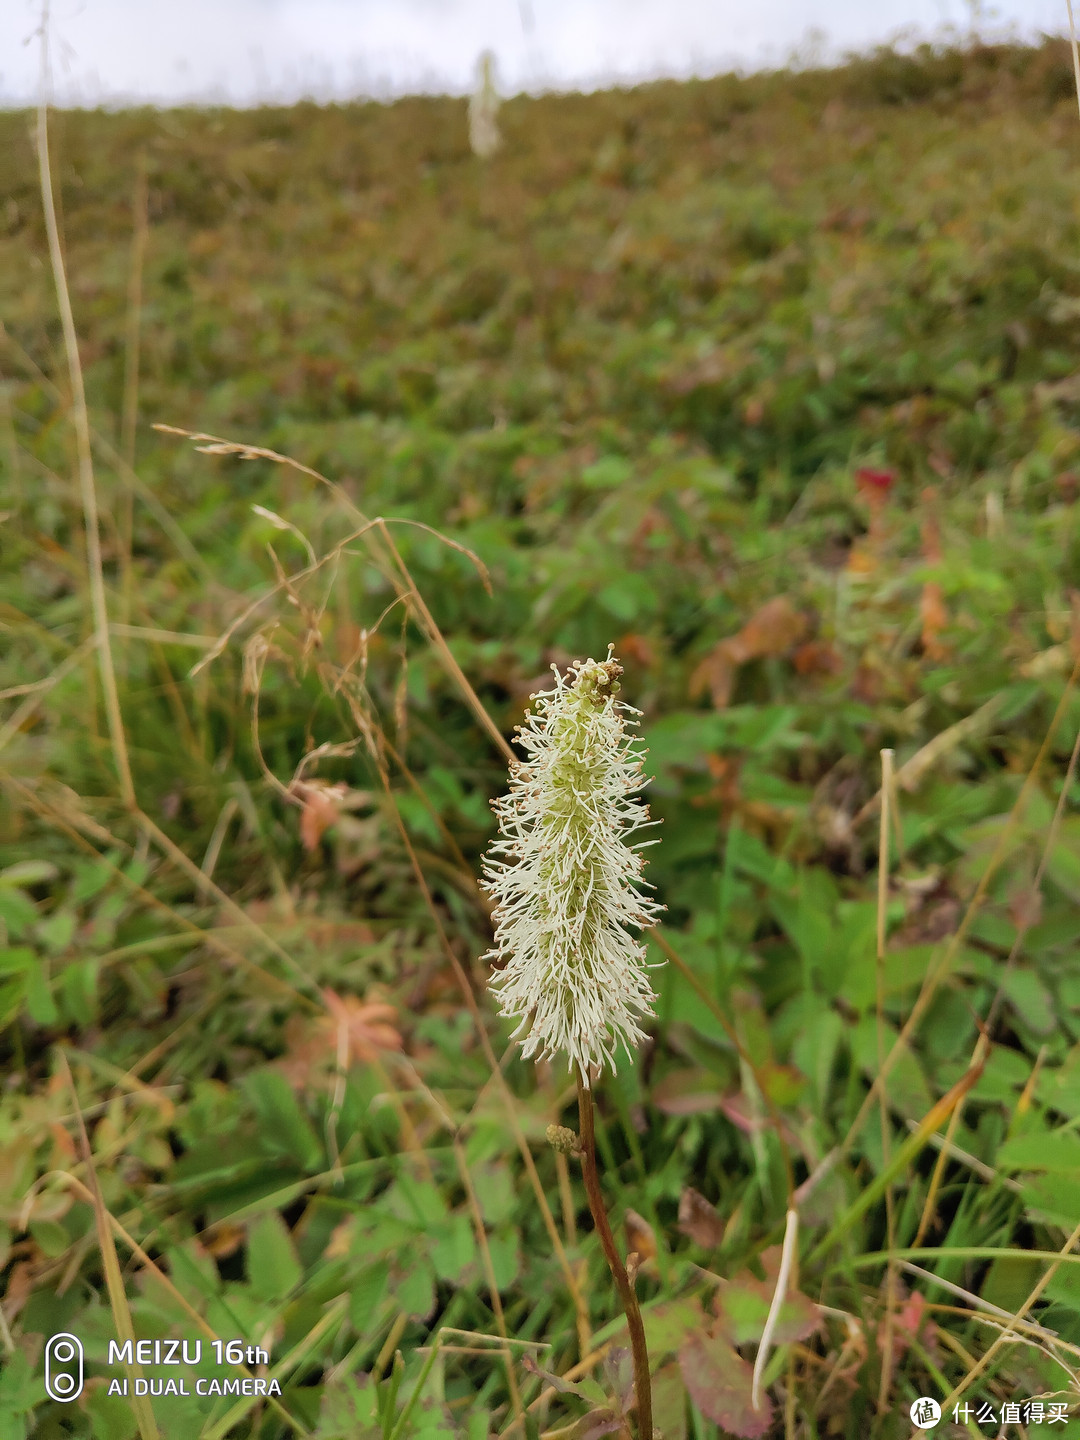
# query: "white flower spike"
{"type": "Point", "coordinates": [567, 884]}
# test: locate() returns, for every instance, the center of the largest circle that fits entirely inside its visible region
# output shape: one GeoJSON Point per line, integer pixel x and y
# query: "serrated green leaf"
{"type": "Point", "coordinates": [1057, 1151]}
{"type": "Point", "coordinates": [57, 931]}
{"type": "Point", "coordinates": [18, 912]}
{"type": "Point", "coordinates": [283, 1126]}
{"type": "Point", "coordinates": [272, 1265]}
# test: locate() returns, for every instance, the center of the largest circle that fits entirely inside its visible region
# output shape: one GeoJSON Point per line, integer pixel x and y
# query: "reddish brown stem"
{"type": "Point", "coordinates": [627, 1294]}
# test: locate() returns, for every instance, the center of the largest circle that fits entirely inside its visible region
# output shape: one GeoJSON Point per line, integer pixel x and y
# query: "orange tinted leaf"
{"type": "Point", "coordinates": [224, 1240]}
{"type": "Point", "coordinates": [934, 619]}
{"type": "Point", "coordinates": [639, 1236]}
{"type": "Point", "coordinates": [861, 561]}
{"type": "Point", "coordinates": [321, 809]}
{"type": "Point", "coordinates": [369, 1026]}
{"type": "Point", "coordinates": [771, 630]}
{"type": "Point", "coordinates": [638, 648]}
{"type": "Point", "coordinates": [716, 673]}
{"type": "Point", "coordinates": [350, 1027]}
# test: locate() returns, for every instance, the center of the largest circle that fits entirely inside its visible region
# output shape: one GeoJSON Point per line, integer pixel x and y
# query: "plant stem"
{"type": "Point", "coordinates": [627, 1294]}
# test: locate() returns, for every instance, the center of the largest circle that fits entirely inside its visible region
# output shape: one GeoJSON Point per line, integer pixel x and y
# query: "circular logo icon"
{"type": "Point", "coordinates": [925, 1413]}
{"type": "Point", "coordinates": [63, 1350]}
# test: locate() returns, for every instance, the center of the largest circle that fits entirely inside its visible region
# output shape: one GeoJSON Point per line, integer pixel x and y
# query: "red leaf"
{"type": "Point", "coordinates": [720, 1383]}
{"type": "Point", "coordinates": [869, 479]}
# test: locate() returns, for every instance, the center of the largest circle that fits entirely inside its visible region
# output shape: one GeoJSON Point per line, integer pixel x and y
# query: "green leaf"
{"type": "Point", "coordinates": [283, 1126]}
{"type": "Point", "coordinates": [742, 1306]}
{"type": "Point", "coordinates": [495, 1194]}
{"type": "Point", "coordinates": [1031, 1000]}
{"type": "Point", "coordinates": [414, 1291]}
{"type": "Point", "coordinates": [349, 1409]}
{"type": "Point", "coordinates": [39, 1000]}
{"type": "Point", "coordinates": [110, 1414]}
{"type": "Point", "coordinates": [607, 473]}
{"type": "Point", "coordinates": [366, 1295]}
{"type": "Point", "coordinates": [417, 1202]}
{"type": "Point", "coordinates": [78, 990]}
{"type": "Point", "coordinates": [57, 931]}
{"type": "Point", "coordinates": [51, 1236]}
{"type": "Point", "coordinates": [16, 960]}
{"type": "Point", "coordinates": [91, 877]}
{"type": "Point", "coordinates": [668, 1323]}
{"type": "Point", "coordinates": [505, 1258]}
{"type": "Point", "coordinates": [19, 1393]}
{"type": "Point", "coordinates": [1057, 1151]}
{"type": "Point", "coordinates": [272, 1266]}
{"type": "Point", "coordinates": [12, 994]}
{"type": "Point", "coordinates": [18, 912]}
{"type": "Point", "coordinates": [453, 1247]}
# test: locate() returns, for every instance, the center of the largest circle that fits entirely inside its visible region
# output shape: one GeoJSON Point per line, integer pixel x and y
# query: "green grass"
{"type": "Point", "coordinates": [644, 365]}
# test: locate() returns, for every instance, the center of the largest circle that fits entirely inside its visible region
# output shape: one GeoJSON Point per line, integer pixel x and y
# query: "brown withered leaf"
{"type": "Point", "coordinates": [639, 1236]}
{"type": "Point", "coordinates": [699, 1220]}
{"type": "Point", "coordinates": [224, 1239]}
{"type": "Point", "coordinates": [934, 618]}
{"type": "Point", "coordinates": [818, 657]}
{"type": "Point", "coordinates": [322, 806]}
{"type": "Point", "coordinates": [638, 648]}
{"type": "Point", "coordinates": [772, 630]}
{"type": "Point", "coordinates": [20, 1283]}
{"type": "Point", "coordinates": [596, 1424]}
{"type": "Point", "coordinates": [341, 1238]}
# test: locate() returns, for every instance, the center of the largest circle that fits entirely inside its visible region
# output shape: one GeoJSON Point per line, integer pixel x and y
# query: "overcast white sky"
{"type": "Point", "coordinates": [243, 51]}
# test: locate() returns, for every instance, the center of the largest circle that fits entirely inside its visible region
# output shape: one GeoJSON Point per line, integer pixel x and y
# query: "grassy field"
{"type": "Point", "coordinates": [772, 382]}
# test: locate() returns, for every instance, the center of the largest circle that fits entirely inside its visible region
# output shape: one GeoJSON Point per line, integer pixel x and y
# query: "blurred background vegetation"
{"type": "Point", "coordinates": [771, 381]}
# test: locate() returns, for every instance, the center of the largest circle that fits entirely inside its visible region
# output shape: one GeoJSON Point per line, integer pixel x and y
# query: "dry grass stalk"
{"type": "Point", "coordinates": [81, 422]}
{"type": "Point", "coordinates": [130, 409]}
{"type": "Point", "coordinates": [891, 1277]}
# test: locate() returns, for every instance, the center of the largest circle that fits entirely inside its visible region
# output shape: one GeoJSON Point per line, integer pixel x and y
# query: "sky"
{"type": "Point", "coordinates": [246, 51]}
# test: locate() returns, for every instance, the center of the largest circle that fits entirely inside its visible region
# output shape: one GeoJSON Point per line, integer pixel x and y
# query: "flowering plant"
{"type": "Point", "coordinates": [566, 882]}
